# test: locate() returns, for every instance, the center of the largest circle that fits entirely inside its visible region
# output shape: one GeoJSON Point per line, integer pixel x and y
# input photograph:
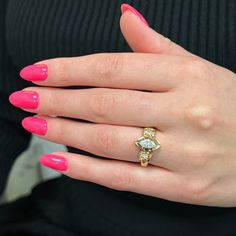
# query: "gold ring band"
{"type": "Point", "coordinates": [147, 144]}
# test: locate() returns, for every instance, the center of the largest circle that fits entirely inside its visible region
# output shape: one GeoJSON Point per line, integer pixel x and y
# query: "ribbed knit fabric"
{"type": "Point", "coordinates": [51, 28]}
{"type": "Point", "coordinates": [41, 29]}
{"type": "Point", "coordinates": [13, 139]}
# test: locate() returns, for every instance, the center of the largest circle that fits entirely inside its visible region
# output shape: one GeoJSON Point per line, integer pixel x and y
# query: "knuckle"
{"type": "Point", "coordinates": [204, 154]}
{"type": "Point", "coordinates": [195, 68]}
{"type": "Point", "coordinates": [141, 102]}
{"type": "Point", "coordinates": [203, 116]}
{"type": "Point", "coordinates": [56, 132]}
{"type": "Point", "coordinates": [198, 153]}
{"type": "Point", "coordinates": [167, 43]}
{"type": "Point", "coordinates": [121, 179]}
{"type": "Point", "coordinates": [197, 191]}
{"type": "Point", "coordinates": [106, 140]}
{"type": "Point", "coordinates": [85, 171]}
{"type": "Point", "coordinates": [108, 65]}
{"type": "Point", "coordinates": [52, 103]}
{"type": "Point", "coordinates": [102, 106]}
{"type": "Point", "coordinates": [60, 69]}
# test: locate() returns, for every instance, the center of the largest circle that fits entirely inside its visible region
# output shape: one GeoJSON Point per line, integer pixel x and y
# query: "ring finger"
{"type": "Point", "coordinates": [115, 142]}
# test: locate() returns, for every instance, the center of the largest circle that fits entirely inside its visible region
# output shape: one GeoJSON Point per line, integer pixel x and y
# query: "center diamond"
{"type": "Point", "coordinates": [148, 144]}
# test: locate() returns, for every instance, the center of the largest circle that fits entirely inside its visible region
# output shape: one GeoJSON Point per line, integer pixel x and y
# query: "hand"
{"type": "Point", "coordinates": [192, 103]}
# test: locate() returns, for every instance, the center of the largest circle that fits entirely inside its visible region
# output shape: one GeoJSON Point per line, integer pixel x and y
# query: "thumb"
{"type": "Point", "coordinates": [142, 38]}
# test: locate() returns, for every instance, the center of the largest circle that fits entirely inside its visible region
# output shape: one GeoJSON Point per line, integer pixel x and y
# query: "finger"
{"type": "Point", "coordinates": [138, 71]}
{"type": "Point", "coordinates": [117, 175]}
{"type": "Point", "coordinates": [144, 39]}
{"type": "Point", "coordinates": [116, 142]}
{"type": "Point", "coordinates": [99, 105]}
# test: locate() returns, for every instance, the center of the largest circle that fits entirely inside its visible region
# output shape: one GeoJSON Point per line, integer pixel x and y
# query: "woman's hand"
{"type": "Point", "coordinates": [191, 102]}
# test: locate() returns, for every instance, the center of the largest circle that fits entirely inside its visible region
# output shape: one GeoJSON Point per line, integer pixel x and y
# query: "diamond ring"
{"type": "Point", "coordinates": [147, 144]}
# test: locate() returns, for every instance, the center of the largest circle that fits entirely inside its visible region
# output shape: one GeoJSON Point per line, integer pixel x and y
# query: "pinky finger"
{"type": "Point", "coordinates": [119, 175]}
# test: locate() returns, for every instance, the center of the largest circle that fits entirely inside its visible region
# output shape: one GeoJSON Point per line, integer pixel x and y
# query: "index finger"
{"type": "Point", "coordinates": [139, 71]}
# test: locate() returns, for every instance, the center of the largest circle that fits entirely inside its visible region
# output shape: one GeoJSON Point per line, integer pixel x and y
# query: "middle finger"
{"type": "Point", "coordinates": [99, 105]}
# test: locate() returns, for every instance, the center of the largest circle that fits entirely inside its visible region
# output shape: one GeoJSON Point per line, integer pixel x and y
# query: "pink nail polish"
{"type": "Point", "coordinates": [24, 99]}
{"type": "Point", "coordinates": [54, 162]}
{"type": "Point", "coordinates": [126, 7]}
{"type": "Point", "coordinates": [37, 72]}
{"type": "Point", "coordinates": [35, 125]}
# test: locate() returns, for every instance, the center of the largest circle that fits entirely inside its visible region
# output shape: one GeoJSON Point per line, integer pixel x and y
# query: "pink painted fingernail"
{"type": "Point", "coordinates": [54, 162]}
{"type": "Point", "coordinates": [36, 72]}
{"type": "Point", "coordinates": [126, 7]}
{"type": "Point", "coordinates": [24, 99]}
{"type": "Point", "coordinates": [35, 125]}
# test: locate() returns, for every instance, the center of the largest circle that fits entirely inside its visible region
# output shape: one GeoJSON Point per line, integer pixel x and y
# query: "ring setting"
{"type": "Point", "coordinates": [147, 144]}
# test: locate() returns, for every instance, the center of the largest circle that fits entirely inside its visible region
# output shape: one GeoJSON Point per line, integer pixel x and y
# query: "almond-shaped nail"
{"type": "Point", "coordinates": [24, 99]}
{"type": "Point", "coordinates": [126, 7]}
{"type": "Point", "coordinates": [53, 161]}
{"type": "Point", "coordinates": [35, 125]}
{"type": "Point", "coordinates": [37, 72]}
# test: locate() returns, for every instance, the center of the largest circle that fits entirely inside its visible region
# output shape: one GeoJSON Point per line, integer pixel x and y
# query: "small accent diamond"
{"type": "Point", "coordinates": [149, 133]}
{"type": "Point", "coordinates": [145, 156]}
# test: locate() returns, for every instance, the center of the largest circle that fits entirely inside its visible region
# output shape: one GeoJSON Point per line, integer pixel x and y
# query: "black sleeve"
{"type": "Point", "coordinates": [13, 138]}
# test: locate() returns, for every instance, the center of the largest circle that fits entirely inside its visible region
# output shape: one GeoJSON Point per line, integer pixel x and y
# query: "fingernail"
{"type": "Point", "coordinates": [35, 125]}
{"type": "Point", "coordinates": [24, 99]}
{"type": "Point", "coordinates": [54, 162]}
{"type": "Point", "coordinates": [36, 72]}
{"type": "Point", "coordinates": [126, 7]}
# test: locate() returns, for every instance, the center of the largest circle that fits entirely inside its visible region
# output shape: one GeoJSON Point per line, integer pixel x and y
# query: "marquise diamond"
{"type": "Point", "coordinates": [148, 144]}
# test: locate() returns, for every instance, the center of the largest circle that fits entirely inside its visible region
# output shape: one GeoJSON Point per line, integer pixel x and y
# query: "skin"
{"type": "Point", "coordinates": [191, 103]}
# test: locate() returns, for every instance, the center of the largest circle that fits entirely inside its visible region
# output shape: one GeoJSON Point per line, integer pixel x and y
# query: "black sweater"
{"type": "Point", "coordinates": [33, 30]}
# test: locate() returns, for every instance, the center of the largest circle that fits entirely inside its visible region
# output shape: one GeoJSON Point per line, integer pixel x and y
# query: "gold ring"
{"type": "Point", "coordinates": [147, 144]}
